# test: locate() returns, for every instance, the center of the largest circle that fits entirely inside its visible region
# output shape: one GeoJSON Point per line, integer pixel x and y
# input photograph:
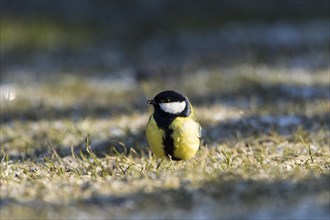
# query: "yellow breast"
{"type": "Point", "coordinates": [155, 137]}
{"type": "Point", "coordinates": [186, 137]}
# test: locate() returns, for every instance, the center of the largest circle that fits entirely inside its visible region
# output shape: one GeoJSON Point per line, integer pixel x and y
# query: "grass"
{"type": "Point", "coordinates": [76, 148]}
{"type": "Point", "coordinates": [142, 184]}
{"type": "Point", "coordinates": [40, 35]}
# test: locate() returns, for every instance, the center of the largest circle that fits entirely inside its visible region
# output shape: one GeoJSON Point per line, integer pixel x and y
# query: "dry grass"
{"type": "Point", "coordinates": [73, 91]}
{"type": "Point", "coordinates": [265, 152]}
{"type": "Point", "coordinates": [76, 148]}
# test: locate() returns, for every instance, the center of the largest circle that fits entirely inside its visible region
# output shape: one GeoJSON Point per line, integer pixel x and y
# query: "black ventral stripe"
{"type": "Point", "coordinates": [168, 142]}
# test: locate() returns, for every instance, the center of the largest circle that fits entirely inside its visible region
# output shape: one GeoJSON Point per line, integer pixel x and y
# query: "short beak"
{"type": "Point", "coordinates": [151, 102]}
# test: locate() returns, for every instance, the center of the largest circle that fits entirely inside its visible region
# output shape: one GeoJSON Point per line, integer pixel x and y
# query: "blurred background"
{"type": "Point", "coordinates": [254, 70]}
{"type": "Point", "coordinates": [159, 38]}
{"type": "Point", "coordinates": [119, 44]}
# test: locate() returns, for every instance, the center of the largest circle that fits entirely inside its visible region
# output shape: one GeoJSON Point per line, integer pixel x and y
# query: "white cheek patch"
{"type": "Point", "coordinates": [173, 107]}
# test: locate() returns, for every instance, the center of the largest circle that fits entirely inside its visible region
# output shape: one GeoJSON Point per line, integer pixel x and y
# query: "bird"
{"type": "Point", "coordinates": [172, 130]}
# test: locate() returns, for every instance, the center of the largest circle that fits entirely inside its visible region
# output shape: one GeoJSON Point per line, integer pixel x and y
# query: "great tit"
{"type": "Point", "coordinates": [172, 130]}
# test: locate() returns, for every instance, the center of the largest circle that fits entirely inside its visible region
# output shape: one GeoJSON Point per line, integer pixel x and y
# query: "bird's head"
{"type": "Point", "coordinates": [172, 103]}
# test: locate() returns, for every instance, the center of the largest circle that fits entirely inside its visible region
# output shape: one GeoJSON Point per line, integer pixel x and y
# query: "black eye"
{"type": "Point", "coordinates": [165, 100]}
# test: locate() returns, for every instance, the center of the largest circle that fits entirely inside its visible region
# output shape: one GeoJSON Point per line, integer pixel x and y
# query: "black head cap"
{"type": "Point", "coordinates": [170, 96]}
